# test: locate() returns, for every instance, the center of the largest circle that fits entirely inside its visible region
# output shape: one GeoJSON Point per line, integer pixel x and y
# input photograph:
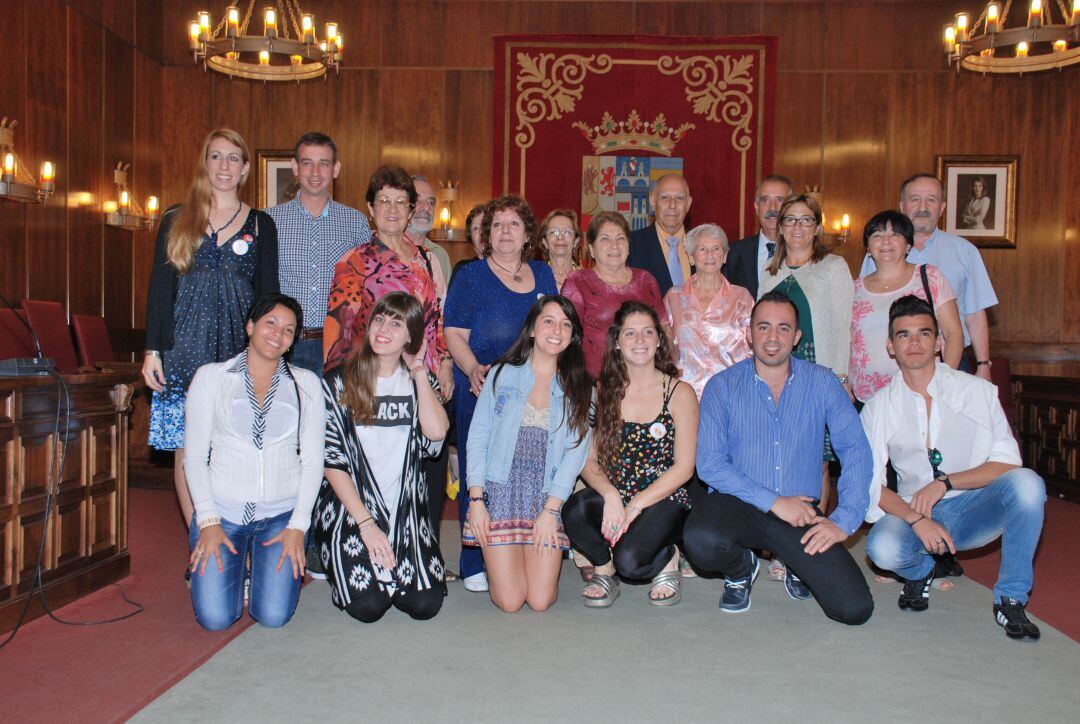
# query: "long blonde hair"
{"type": "Point", "coordinates": [187, 233]}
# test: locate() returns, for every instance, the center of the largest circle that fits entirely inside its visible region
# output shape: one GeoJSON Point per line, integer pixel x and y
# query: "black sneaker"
{"type": "Point", "coordinates": [796, 589]}
{"type": "Point", "coordinates": [736, 598]}
{"type": "Point", "coordinates": [314, 564]}
{"type": "Point", "coordinates": [916, 594]}
{"type": "Point", "coordinates": [1012, 617]}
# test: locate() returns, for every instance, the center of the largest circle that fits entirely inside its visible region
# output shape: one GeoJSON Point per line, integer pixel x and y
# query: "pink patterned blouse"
{"type": "Point", "coordinates": [710, 338]}
{"type": "Point", "coordinates": [871, 366]}
{"type": "Point", "coordinates": [596, 302]}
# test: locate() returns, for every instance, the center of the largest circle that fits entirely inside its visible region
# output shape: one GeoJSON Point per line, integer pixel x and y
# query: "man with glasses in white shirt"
{"type": "Point", "coordinates": [960, 481]}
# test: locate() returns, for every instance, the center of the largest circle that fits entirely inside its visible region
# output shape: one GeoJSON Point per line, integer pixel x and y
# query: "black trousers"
{"type": "Point", "coordinates": [371, 605]}
{"type": "Point", "coordinates": [434, 470]}
{"type": "Point", "coordinates": [722, 527]}
{"type": "Point", "coordinates": [644, 549]}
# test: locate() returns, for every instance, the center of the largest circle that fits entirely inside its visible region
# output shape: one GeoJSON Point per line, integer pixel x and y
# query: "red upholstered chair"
{"type": "Point", "coordinates": [92, 339]}
{"type": "Point", "coordinates": [15, 339]}
{"type": "Point", "coordinates": [50, 325]}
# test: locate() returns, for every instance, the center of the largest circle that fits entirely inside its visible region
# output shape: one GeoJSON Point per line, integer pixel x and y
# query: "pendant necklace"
{"type": "Point", "coordinates": [514, 274]}
{"type": "Point", "coordinates": [214, 232]}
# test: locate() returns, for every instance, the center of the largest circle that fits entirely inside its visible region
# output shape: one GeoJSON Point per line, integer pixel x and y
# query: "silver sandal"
{"type": "Point", "coordinates": [611, 587]}
{"type": "Point", "coordinates": [673, 581]}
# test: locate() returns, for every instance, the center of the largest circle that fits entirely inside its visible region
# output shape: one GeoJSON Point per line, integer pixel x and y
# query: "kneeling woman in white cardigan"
{"type": "Point", "coordinates": [254, 463]}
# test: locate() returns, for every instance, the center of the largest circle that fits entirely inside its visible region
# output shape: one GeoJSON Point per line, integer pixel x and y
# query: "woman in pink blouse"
{"type": "Point", "coordinates": [889, 236]}
{"type": "Point", "coordinates": [709, 315]}
{"type": "Point", "coordinates": [599, 291]}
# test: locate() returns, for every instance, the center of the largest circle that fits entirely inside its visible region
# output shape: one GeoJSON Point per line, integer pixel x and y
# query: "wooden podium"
{"type": "Point", "coordinates": [87, 546]}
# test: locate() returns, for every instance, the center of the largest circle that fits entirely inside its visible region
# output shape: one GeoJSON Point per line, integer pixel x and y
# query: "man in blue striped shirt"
{"type": "Point", "coordinates": [760, 442]}
{"type": "Point", "coordinates": [314, 232]}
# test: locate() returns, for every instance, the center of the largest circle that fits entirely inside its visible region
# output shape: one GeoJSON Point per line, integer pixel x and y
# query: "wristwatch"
{"type": "Point", "coordinates": [981, 362]}
{"type": "Point", "coordinates": [944, 477]}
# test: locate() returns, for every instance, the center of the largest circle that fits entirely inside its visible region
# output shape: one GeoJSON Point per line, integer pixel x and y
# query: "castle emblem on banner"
{"type": "Point", "coordinates": [622, 183]}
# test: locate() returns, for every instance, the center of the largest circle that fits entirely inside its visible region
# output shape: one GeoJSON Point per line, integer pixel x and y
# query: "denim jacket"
{"type": "Point", "coordinates": [494, 431]}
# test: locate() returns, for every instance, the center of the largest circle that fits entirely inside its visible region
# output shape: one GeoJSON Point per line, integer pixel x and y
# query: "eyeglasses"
{"type": "Point", "coordinates": [561, 233]}
{"type": "Point", "coordinates": [385, 201]}
{"type": "Point", "coordinates": [804, 221]}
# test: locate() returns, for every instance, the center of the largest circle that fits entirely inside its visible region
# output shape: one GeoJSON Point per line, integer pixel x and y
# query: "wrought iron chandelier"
{"type": "Point", "coordinates": [278, 54]}
{"type": "Point", "coordinates": [988, 46]}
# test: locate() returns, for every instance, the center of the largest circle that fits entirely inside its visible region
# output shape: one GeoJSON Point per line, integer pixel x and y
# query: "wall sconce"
{"type": "Point", "coordinates": [16, 183]}
{"type": "Point", "coordinates": [841, 230]}
{"type": "Point", "coordinates": [125, 212]}
{"type": "Point", "coordinates": [447, 196]}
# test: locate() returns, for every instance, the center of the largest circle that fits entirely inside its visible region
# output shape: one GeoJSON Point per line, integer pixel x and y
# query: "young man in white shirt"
{"type": "Point", "coordinates": [960, 483]}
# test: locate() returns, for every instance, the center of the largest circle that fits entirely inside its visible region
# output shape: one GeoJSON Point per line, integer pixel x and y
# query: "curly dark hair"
{"type": "Point", "coordinates": [570, 366]}
{"type": "Point", "coordinates": [611, 387]}
{"type": "Point", "coordinates": [520, 207]}
{"type": "Point", "coordinates": [393, 176]}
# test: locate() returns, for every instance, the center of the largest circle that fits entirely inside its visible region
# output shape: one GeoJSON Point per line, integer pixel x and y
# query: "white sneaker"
{"type": "Point", "coordinates": [477, 583]}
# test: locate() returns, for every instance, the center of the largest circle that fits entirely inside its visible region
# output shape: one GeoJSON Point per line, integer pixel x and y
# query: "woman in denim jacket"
{"type": "Point", "coordinates": [528, 442]}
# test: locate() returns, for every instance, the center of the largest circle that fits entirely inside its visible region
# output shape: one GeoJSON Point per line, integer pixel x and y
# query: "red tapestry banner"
{"type": "Point", "coordinates": [589, 121]}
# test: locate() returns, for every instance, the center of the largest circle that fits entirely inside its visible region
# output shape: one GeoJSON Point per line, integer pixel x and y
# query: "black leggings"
{"type": "Point", "coordinates": [371, 605]}
{"type": "Point", "coordinates": [642, 552]}
{"type": "Point", "coordinates": [722, 527]}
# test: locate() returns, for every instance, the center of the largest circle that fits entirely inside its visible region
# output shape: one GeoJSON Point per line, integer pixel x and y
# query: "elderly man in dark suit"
{"type": "Point", "coordinates": [748, 256]}
{"type": "Point", "coordinates": [659, 248]}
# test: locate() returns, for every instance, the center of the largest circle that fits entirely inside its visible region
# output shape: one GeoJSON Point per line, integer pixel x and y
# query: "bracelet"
{"type": "Point", "coordinates": [842, 378]}
{"type": "Point", "coordinates": [982, 362]}
{"type": "Point", "coordinates": [207, 522]}
{"type": "Point", "coordinates": [635, 508]}
{"type": "Point", "coordinates": [369, 523]}
{"type": "Point", "coordinates": [912, 523]}
{"type": "Point", "coordinates": [365, 520]}
{"type": "Point", "coordinates": [482, 499]}
{"type": "Point", "coordinates": [552, 511]}
{"type": "Point", "coordinates": [416, 367]}
{"type": "Point", "coordinates": [151, 353]}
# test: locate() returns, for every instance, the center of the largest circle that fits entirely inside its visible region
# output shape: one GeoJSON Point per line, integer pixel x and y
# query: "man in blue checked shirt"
{"type": "Point", "coordinates": [760, 442]}
{"type": "Point", "coordinates": [314, 232]}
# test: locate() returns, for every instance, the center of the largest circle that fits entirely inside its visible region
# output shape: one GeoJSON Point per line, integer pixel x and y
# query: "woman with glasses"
{"type": "Point", "coordinates": [560, 241]}
{"type": "Point", "coordinates": [390, 263]}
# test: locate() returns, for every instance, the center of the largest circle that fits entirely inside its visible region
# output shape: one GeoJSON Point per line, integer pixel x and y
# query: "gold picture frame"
{"type": "Point", "coordinates": [980, 193]}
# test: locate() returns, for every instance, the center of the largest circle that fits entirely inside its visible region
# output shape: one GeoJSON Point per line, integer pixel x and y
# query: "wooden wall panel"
{"type": "Point", "coordinates": [185, 114]}
{"type": "Point", "coordinates": [466, 138]}
{"type": "Point", "coordinates": [411, 119]}
{"type": "Point", "coordinates": [801, 30]}
{"type": "Point", "coordinates": [84, 174]}
{"type": "Point", "coordinates": [696, 18]}
{"type": "Point", "coordinates": [1070, 322]}
{"type": "Point", "coordinates": [13, 267]}
{"type": "Point", "coordinates": [45, 137]}
{"type": "Point", "coordinates": [799, 121]}
{"type": "Point", "coordinates": [119, 145]}
{"type": "Point", "coordinates": [147, 162]}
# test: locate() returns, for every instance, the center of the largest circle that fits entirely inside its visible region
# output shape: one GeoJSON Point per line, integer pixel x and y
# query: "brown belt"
{"type": "Point", "coordinates": [308, 333]}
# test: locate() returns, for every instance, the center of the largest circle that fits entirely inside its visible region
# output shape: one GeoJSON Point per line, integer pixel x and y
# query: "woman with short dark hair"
{"type": "Point", "coordinates": [389, 263]}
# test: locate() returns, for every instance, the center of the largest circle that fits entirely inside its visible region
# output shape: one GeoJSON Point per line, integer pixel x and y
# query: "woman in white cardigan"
{"type": "Point", "coordinates": [254, 463]}
{"type": "Point", "coordinates": [820, 285]}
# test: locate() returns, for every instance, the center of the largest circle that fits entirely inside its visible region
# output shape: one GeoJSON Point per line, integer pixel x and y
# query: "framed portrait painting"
{"type": "Point", "coordinates": [981, 196]}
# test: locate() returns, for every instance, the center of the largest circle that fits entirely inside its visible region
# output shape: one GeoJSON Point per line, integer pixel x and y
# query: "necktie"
{"type": "Point", "coordinates": [674, 267]}
{"type": "Point", "coordinates": [770, 246]}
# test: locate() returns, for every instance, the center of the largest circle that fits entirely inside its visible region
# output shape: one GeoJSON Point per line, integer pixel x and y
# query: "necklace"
{"type": "Point", "coordinates": [887, 286]}
{"type": "Point", "coordinates": [514, 274]}
{"type": "Point", "coordinates": [214, 232]}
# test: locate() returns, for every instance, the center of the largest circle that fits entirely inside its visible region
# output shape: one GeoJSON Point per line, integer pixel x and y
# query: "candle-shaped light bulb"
{"type": "Point", "coordinates": [1060, 46]}
{"type": "Point", "coordinates": [961, 27]}
{"type": "Point", "coordinates": [307, 25]}
{"type": "Point", "coordinates": [1035, 14]}
{"type": "Point", "coordinates": [193, 34]}
{"type": "Point", "coordinates": [264, 57]}
{"type": "Point", "coordinates": [444, 215]}
{"type": "Point", "coordinates": [296, 59]}
{"type": "Point", "coordinates": [232, 55]}
{"type": "Point", "coordinates": [125, 201]}
{"type": "Point", "coordinates": [151, 206]}
{"type": "Point", "coordinates": [1022, 49]}
{"type": "Point", "coordinates": [232, 14]}
{"type": "Point", "coordinates": [1074, 19]}
{"type": "Point", "coordinates": [9, 164]}
{"type": "Point", "coordinates": [204, 25]}
{"type": "Point", "coordinates": [322, 46]}
{"type": "Point", "coordinates": [331, 34]}
{"type": "Point", "coordinates": [48, 172]}
{"type": "Point", "coordinates": [993, 18]}
{"type": "Point", "coordinates": [950, 39]}
{"type": "Point", "coordinates": [270, 22]}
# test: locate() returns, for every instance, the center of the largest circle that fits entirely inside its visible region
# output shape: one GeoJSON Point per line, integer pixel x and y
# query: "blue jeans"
{"type": "Point", "coordinates": [307, 353]}
{"type": "Point", "coordinates": [1011, 507]}
{"type": "Point", "coordinates": [218, 597]}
